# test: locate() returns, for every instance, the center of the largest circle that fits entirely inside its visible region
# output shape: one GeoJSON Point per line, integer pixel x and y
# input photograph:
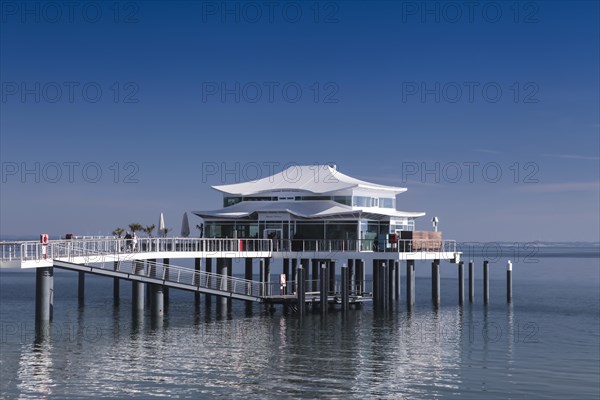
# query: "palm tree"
{"type": "Point", "coordinates": [135, 227]}
{"type": "Point", "coordinates": [148, 229]}
{"type": "Point", "coordinates": [118, 232]}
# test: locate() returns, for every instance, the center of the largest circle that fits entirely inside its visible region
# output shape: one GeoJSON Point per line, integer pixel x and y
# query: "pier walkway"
{"type": "Point", "coordinates": [312, 279]}
{"type": "Point", "coordinates": [33, 254]}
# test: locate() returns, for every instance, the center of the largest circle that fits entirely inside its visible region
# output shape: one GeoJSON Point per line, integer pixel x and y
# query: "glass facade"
{"type": "Point", "coordinates": [364, 201]}
{"type": "Point", "coordinates": [355, 201]}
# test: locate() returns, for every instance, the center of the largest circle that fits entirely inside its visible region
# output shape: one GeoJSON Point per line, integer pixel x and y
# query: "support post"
{"type": "Point", "coordinates": [509, 282]}
{"type": "Point", "coordinates": [345, 287]}
{"type": "Point", "coordinates": [294, 277]}
{"type": "Point", "coordinates": [332, 271]}
{"type": "Point", "coordinates": [268, 275]}
{"type": "Point", "coordinates": [323, 280]}
{"type": "Point", "coordinates": [222, 272]}
{"type": "Point", "coordinates": [116, 285]}
{"type": "Point", "coordinates": [351, 277]}
{"type": "Point", "coordinates": [248, 276]}
{"type": "Point", "coordinates": [383, 281]}
{"type": "Point", "coordinates": [208, 269]}
{"type": "Point", "coordinates": [81, 287]}
{"type": "Point", "coordinates": [315, 275]}
{"type": "Point", "coordinates": [410, 283]}
{"type": "Point", "coordinates": [137, 296]}
{"type": "Point", "coordinates": [286, 272]}
{"type": "Point", "coordinates": [197, 267]}
{"type": "Point", "coordinates": [391, 284]}
{"type": "Point", "coordinates": [157, 301]}
{"type": "Point", "coordinates": [486, 282]}
{"type": "Point", "coordinates": [435, 281]}
{"type": "Point", "coordinates": [376, 283]}
{"type": "Point", "coordinates": [166, 262]}
{"type": "Point", "coordinates": [151, 273]}
{"type": "Point", "coordinates": [360, 264]}
{"type": "Point", "coordinates": [398, 280]}
{"type": "Point", "coordinates": [461, 283]}
{"type": "Point", "coordinates": [44, 294]}
{"type": "Point", "coordinates": [471, 281]}
{"type": "Point", "coordinates": [229, 274]}
{"type": "Point", "coordinates": [301, 289]}
{"type": "Point", "coordinates": [262, 274]}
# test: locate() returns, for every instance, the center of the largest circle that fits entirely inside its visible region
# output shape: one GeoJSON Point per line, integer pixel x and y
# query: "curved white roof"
{"type": "Point", "coordinates": [302, 209]}
{"type": "Point", "coordinates": [317, 179]}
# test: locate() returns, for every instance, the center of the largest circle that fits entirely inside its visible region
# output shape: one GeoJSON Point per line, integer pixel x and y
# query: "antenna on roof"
{"type": "Point", "coordinates": [333, 166]}
{"type": "Point", "coordinates": [435, 221]}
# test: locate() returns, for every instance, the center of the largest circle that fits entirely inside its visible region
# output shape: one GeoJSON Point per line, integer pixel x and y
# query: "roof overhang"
{"type": "Point", "coordinates": [316, 179]}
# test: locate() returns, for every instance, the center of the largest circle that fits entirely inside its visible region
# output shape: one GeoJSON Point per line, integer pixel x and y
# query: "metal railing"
{"type": "Point", "coordinates": [176, 274]}
{"type": "Point", "coordinates": [66, 249]}
{"type": "Point", "coordinates": [360, 245]}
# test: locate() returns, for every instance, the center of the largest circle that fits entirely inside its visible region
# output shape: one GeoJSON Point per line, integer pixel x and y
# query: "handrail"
{"type": "Point", "coordinates": [36, 251]}
{"type": "Point", "coordinates": [182, 275]}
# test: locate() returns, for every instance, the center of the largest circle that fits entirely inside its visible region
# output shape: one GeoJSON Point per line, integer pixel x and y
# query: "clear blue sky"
{"type": "Point", "coordinates": [383, 89]}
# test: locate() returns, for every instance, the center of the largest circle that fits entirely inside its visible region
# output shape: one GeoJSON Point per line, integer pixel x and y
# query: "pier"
{"type": "Point", "coordinates": [305, 286]}
{"type": "Point", "coordinates": [326, 229]}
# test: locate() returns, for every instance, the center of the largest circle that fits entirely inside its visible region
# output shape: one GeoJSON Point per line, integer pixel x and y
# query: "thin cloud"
{"type": "Point", "coordinates": [572, 157]}
{"type": "Point", "coordinates": [562, 187]}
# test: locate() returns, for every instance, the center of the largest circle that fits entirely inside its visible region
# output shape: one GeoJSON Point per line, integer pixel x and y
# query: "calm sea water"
{"type": "Point", "coordinates": [545, 345]}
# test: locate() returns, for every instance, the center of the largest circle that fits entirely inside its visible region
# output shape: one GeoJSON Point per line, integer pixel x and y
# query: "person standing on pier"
{"type": "Point", "coordinates": [127, 241]}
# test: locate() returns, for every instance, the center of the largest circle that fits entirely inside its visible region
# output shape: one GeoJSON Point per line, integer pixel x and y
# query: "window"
{"type": "Point", "coordinates": [347, 200]}
{"type": "Point", "coordinates": [361, 201]}
{"type": "Point", "coordinates": [386, 203]}
{"type": "Point", "coordinates": [229, 201]}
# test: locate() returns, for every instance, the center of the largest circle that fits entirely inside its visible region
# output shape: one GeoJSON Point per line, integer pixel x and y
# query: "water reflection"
{"type": "Point", "coordinates": [417, 354]}
{"type": "Point", "coordinates": [36, 366]}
